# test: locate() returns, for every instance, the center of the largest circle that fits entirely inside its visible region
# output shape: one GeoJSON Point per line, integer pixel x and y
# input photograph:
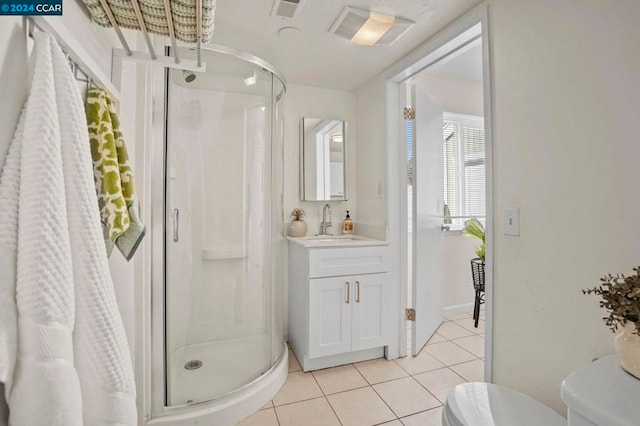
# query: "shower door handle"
{"type": "Point", "coordinates": [175, 215]}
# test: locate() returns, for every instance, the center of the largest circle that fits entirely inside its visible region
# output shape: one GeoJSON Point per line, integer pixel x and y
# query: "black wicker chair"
{"type": "Point", "coordinates": [477, 271]}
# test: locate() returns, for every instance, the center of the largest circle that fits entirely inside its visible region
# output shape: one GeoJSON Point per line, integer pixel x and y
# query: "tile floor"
{"type": "Point", "coordinates": [405, 391]}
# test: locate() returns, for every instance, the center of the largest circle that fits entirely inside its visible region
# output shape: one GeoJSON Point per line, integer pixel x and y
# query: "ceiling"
{"type": "Point", "coordinates": [317, 57]}
{"type": "Point", "coordinates": [465, 65]}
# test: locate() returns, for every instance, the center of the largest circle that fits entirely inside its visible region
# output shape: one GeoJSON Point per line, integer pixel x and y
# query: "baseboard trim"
{"type": "Point", "coordinates": [340, 359]}
{"type": "Point", "coordinates": [456, 309]}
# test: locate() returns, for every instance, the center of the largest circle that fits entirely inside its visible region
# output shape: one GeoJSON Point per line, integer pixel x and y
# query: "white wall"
{"type": "Point", "coordinates": [13, 69]}
{"type": "Point", "coordinates": [453, 94]}
{"type": "Point", "coordinates": [371, 161]}
{"type": "Point", "coordinates": [458, 283]}
{"type": "Point", "coordinates": [304, 101]}
{"type": "Point", "coordinates": [565, 90]}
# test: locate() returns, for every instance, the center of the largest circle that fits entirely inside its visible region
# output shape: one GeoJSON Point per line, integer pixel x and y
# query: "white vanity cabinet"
{"type": "Point", "coordinates": [339, 309]}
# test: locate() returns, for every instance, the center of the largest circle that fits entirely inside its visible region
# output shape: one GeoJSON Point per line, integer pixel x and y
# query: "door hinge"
{"type": "Point", "coordinates": [410, 314]}
{"type": "Point", "coordinates": [409, 113]}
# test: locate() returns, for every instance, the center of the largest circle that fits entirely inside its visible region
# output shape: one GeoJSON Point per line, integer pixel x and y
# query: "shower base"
{"type": "Point", "coordinates": [208, 370]}
{"type": "Point", "coordinates": [232, 407]}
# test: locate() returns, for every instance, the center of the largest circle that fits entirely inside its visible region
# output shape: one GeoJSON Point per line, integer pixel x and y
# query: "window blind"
{"type": "Point", "coordinates": [464, 168]}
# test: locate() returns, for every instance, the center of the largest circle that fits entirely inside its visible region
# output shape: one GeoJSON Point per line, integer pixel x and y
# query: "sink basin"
{"type": "Point", "coordinates": [329, 238]}
{"type": "Point", "coordinates": [336, 241]}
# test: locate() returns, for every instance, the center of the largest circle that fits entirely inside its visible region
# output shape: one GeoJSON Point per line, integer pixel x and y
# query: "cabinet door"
{"type": "Point", "coordinates": [370, 312]}
{"type": "Point", "coordinates": [330, 302]}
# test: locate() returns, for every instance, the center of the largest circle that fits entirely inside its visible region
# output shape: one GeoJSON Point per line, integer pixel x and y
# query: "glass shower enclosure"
{"type": "Point", "coordinates": [223, 227]}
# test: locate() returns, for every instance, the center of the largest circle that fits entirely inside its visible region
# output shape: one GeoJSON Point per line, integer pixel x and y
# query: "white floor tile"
{"type": "Point", "coordinates": [406, 396]}
{"type": "Point", "coordinates": [360, 407]}
{"type": "Point", "coordinates": [439, 382]}
{"type": "Point", "coordinates": [452, 330]}
{"type": "Point", "coordinates": [448, 353]}
{"type": "Point", "coordinates": [339, 379]}
{"type": "Point", "coordinates": [314, 412]}
{"type": "Point", "coordinates": [261, 418]}
{"type": "Point", "coordinates": [468, 323]}
{"type": "Point", "coordinates": [426, 418]}
{"type": "Point", "coordinates": [436, 338]}
{"type": "Point", "coordinates": [472, 371]}
{"type": "Point", "coordinates": [459, 315]}
{"type": "Point", "coordinates": [380, 370]}
{"type": "Point", "coordinates": [419, 364]}
{"type": "Point", "coordinates": [298, 387]}
{"type": "Point", "coordinates": [350, 400]}
{"type": "Point", "coordinates": [473, 344]}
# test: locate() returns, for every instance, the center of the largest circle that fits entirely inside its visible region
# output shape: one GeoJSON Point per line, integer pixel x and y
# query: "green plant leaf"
{"type": "Point", "coordinates": [474, 228]}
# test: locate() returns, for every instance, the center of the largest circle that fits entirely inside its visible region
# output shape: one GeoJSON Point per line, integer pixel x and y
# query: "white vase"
{"type": "Point", "coordinates": [297, 228]}
{"type": "Point", "coordinates": [627, 345]}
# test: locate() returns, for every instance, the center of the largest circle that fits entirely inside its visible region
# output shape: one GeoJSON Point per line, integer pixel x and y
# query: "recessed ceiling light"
{"type": "Point", "coordinates": [289, 33]}
{"type": "Point", "coordinates": [369, 28]}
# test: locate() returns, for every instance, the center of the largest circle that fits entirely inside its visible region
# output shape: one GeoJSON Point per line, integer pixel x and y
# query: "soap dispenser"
{"type": "Point", "coordinates": [347, 225]}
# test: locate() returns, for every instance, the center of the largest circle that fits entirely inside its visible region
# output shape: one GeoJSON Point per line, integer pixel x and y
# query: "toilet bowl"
{"type": "Point", "coordinates": [599, 394]}
{"type": "Point", "coordinates": [486, 404]}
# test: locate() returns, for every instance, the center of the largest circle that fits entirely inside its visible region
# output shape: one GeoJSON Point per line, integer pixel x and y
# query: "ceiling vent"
{"type": "Point", "coordinates": [286, 8]}
{"type": "Point", "coordinates": [369, 28]}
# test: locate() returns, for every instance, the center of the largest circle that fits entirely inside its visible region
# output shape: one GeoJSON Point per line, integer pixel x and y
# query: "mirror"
{"type": "Point", "coordinates": [322, 159]}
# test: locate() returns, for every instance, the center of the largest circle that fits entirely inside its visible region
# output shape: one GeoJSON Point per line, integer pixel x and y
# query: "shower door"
{"type": "Point", "coordinates": [220, 226]}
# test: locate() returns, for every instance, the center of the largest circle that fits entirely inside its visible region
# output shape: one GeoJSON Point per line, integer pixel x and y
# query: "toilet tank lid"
{"type": "Point", "coordinates": [603, 393]}
{"type": "Point", "coordinates": [481, 404]}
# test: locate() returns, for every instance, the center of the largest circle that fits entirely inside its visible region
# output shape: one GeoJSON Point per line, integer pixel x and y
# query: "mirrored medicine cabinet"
{"type": "Point", "coordinates": [323, 168]}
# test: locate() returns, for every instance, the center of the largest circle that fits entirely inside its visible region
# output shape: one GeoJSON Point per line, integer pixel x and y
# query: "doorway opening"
{"type": "Point", "coordinates": [444, 180]}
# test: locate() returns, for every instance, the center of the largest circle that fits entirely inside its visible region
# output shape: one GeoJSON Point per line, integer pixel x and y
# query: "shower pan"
{"type": "Point", "coordinates": [218, 262]}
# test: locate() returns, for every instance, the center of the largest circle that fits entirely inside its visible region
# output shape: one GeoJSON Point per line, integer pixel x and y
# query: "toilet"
{"type": "Point", "coordinates": [486, 404]}
{"type": "Point", "coordinates": [600, 394]}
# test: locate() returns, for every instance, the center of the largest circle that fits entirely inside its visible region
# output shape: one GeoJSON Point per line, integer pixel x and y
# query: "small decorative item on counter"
{"type": "Point", "coordinates": [297, 227]}
{"type": "Point", "coordinates": [621, 298]}
{"type": "Point", "coordinates": [347, 224]}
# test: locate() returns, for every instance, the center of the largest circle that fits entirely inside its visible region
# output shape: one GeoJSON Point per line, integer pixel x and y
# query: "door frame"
{"type": "Point", "coordinates": [464, 29]}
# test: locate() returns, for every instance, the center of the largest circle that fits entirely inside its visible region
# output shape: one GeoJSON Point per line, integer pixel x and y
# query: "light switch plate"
{"type": "Point", "coordinates": [512, 221]}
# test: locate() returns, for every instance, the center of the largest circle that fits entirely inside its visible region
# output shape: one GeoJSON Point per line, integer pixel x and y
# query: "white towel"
{"type": "Point", "coordinates": [72, 365]}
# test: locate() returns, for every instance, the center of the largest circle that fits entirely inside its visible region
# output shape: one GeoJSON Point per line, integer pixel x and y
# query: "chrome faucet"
{"type": "Point", "coordinates": [324, 224]}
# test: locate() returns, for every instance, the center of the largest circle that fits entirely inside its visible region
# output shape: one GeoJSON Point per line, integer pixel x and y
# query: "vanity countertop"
{"type": "Point", "coordinates": [320, 241]}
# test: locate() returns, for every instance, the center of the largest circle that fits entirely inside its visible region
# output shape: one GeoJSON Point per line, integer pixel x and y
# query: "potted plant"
{"type": "Point", "coordinates": [474, 228]}
{"type": "Point", "coordinates": [621, 298]}
{"type": "Point", "coordinates": [297, 227]}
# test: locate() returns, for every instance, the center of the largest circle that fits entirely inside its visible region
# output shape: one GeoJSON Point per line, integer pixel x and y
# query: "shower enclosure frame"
{"type": "Point", "coordinates": [151, 358]}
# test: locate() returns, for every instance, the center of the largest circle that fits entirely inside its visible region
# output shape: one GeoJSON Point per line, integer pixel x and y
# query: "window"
{"type": "Point", "coordinates": [464, 168]}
